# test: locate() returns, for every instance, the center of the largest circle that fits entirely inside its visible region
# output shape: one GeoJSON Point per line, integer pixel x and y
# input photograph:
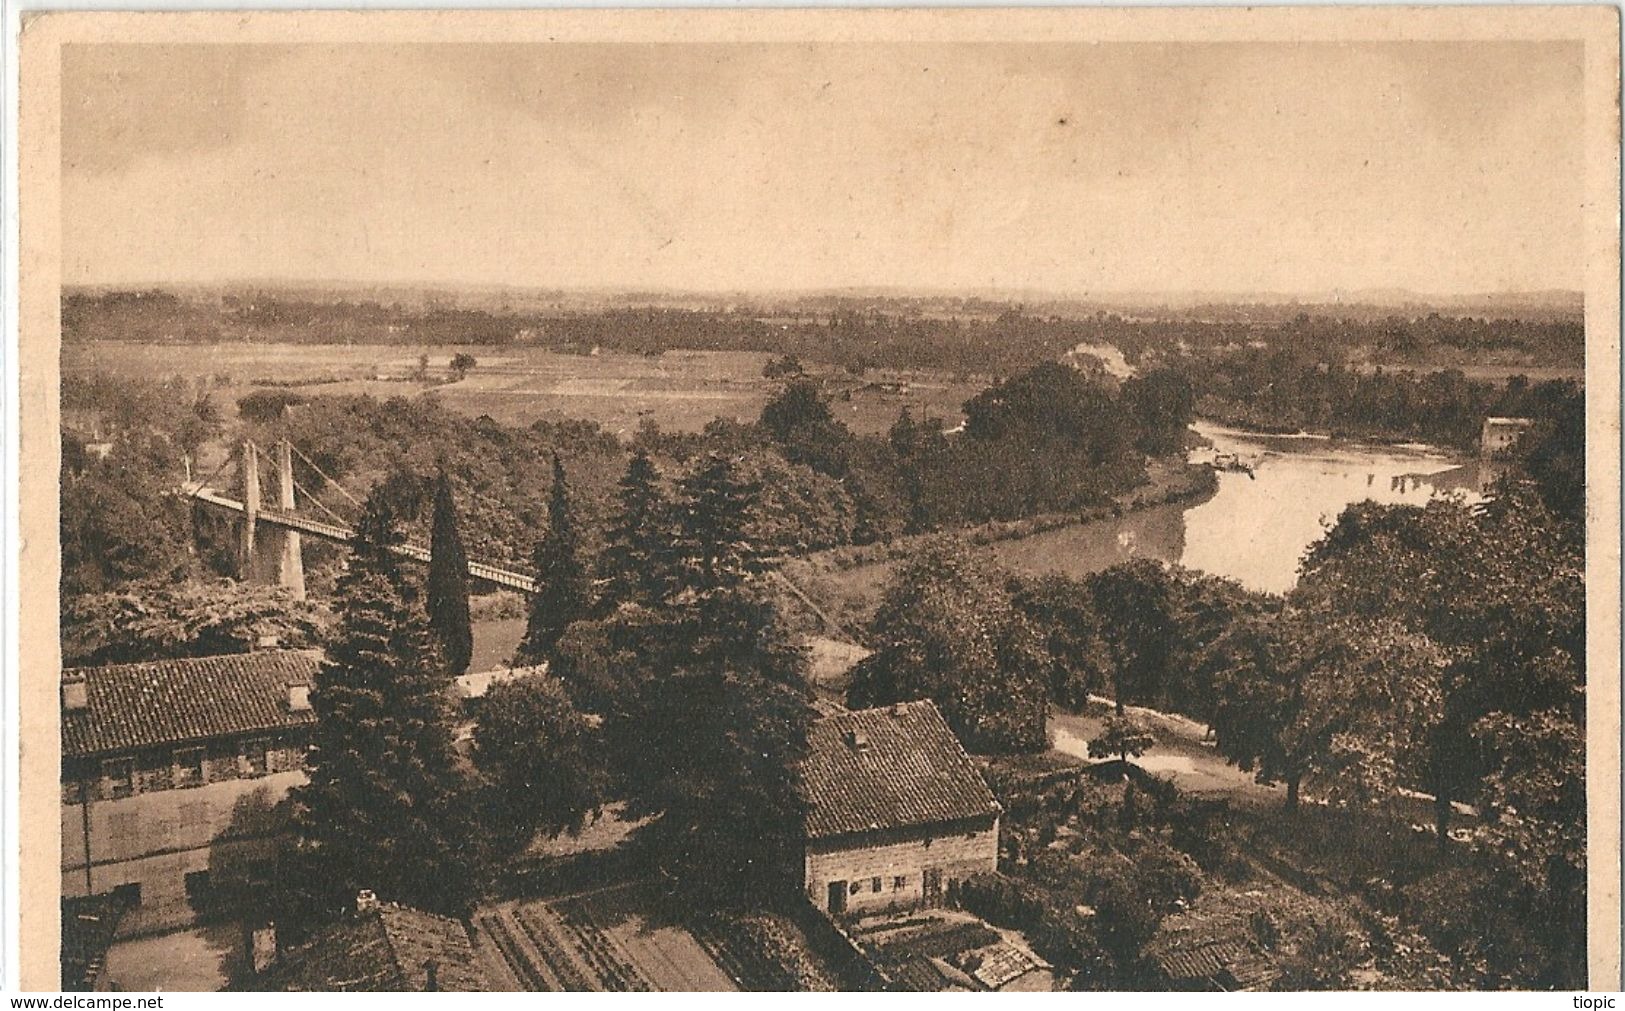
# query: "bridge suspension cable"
{"type": "Point", "coordinates": [229, 457]}
{"type": "Point", "coordinates": [323, 474]}
{"type": "Point", "coordinates": [311, 498]}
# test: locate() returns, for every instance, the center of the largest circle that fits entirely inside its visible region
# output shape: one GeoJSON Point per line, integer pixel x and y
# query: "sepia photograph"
{"type": "Point", "coordinates": [821, 501]}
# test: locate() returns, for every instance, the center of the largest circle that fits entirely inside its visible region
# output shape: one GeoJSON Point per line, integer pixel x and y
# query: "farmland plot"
{"type": "Point", "coordinates": [606, 940]}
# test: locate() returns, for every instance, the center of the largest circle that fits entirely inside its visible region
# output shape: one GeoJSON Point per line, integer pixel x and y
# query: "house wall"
{"type": "Point", "coordinates": [957, 851]}
{"type": "Point", "coordinates": [157, 769]}
{"type": "Point", "coordinates": [157, 837]}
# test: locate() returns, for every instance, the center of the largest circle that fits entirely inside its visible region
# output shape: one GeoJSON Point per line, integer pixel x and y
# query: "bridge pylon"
{"type": "Point", "coordinates": [270, 554]}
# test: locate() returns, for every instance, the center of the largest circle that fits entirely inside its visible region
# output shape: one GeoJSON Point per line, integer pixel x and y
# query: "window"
{"type": "Point", "coordinates": [899, 883]}
{"type": "Point", "coordinates": [256, 756]}
{"type": "Point", "coordinates": [118, 778]}
{"type": "Point", "coordinates": [874, 884]}
{"type": "Point", "coordinates": [189, 767]}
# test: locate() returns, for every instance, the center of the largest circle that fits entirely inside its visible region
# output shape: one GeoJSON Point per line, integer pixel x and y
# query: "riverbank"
{"type": "Point", "coordinates": [844, 583]}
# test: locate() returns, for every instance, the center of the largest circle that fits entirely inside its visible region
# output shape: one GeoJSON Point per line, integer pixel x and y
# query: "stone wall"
{"type": "Point", "coordinates": [887, 870]}
{"type": "Point", "coordinates": [156, 770]}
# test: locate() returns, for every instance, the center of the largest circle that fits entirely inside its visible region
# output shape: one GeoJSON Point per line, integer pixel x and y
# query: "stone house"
{"type": "Point", "coordinates": [172, 771]}
{"type": "Point", "coordinates": [1501, 434]}
{"type": "Point", "coordinates": [898, 813]}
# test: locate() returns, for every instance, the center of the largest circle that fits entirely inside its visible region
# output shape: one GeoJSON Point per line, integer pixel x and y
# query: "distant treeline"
{"type": "Point", "coordinates": [1052, 439]}
{"type": "Point", "coordinates": [978, 341]}
{"type": "Point", "coordinates": [1278, 390]}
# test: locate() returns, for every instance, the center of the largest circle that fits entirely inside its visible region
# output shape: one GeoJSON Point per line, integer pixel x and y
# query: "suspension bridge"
{"type": "Point", "coordinates": [270, 548]}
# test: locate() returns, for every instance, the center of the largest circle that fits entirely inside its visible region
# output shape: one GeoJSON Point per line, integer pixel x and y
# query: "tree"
{"type": "Point", "coordinates": [563, 587]}
{"type": "Point", "coordinates": [634, 561]}
{"type": "Point", "coordinates": [728, 744]}
{"type": "Point", "coordinates": [448, 582]}
{"type": "Point", "coordinates": [541, 760]}
{"type": "Point", "coordinates": [386, 806]}
{"type": "Point", "coordinates": [1160, 402]}
{"type": "Point", "coordinates": [1061, 610]}
{"type": "Point", "coordinates": [1123, 736]}
{"type": "Point", "coordinates": [118, 524]}
{"type": "Point", "coordinates": [798, 419]}
{"type": "Point", "coordinates": [783, 367]}
{"type": "Point", "coordinates": [1313, 695]}
{"type": "Point", "coordinates": [714, 549]}
{"type": "Point", "coordinates": [1497, 588]}
{"type": "Point", "coordinates": [461, 363]}
{"type": "Point", "coordinates": [157, 620]}
{"type": "Point", "coordinates": [1134, 602]}
{"type": "Point", "coordinates": [947, 630]}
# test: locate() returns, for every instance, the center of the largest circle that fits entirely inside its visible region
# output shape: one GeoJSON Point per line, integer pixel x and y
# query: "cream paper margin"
{"type": "Point", "coordinates": [43, 35]}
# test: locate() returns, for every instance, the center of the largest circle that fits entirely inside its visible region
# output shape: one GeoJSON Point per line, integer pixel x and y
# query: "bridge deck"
{"type": "Point", "coordinates": [344, 535]}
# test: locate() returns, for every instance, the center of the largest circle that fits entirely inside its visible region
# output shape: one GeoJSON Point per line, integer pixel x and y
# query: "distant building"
{"type": "Point", "coordinates": [897, 812]}
{"type": "Point", "coordinates": [382, 948]}
{"type": "Point", "coordinates": [1501, 434]}
{"type": "Point", "coordinates": [171, 775]}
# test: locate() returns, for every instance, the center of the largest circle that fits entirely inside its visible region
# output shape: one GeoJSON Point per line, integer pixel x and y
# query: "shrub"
{"type": "Point", "coordinates": [1002, 900]}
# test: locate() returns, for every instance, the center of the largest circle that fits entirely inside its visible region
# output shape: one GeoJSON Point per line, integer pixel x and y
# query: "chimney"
{"type": "Point", "coordinates": [75, 694]}
{"type": "Point", "coordinates": [431, 976]}
{"type": "Point", "coordinates": [857, 740]}
{"type": "Point", "coordinates": [898, 710]}
{"type": "Point", "coordinates": [366, 900]}
{"type": "Point", "coordinates": [262, 947]}
{"type": "Point", "coordinates": [298, 697]}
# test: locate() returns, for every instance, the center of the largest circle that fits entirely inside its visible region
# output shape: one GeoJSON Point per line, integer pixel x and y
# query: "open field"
{"type": "Point", "coordinates": [679, 390]}
{"type": "Point", "coordinates": [1486, 372]}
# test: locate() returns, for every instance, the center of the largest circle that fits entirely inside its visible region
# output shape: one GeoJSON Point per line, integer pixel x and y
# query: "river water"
{"type": "Point", "coordinates": [1255, 528]}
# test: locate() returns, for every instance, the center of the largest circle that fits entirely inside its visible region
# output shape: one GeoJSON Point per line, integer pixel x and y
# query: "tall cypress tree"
{"type": "Point", "coordinates": [448, 582]}
{"type": "Point", "coordinates": [635, 561]}
{"type": "Point", "coordinates": [563, 586]}
{"type": "Point", "coordinates": [715, 550]}
{"type": "Point", "coordinates": [386, 804]}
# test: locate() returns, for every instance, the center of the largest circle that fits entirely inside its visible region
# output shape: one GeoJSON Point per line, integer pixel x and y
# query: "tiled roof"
{"type": "Point", "coordinates": [1231, 964]}
{"type": "Point", "coordinates": [161, 702]}
{"type": "Point", "coordinates": [998, 965]}
{"type": "Point", "coordinates": [890, 767]}
{"type": "Point", "coordinates": [386, 949]}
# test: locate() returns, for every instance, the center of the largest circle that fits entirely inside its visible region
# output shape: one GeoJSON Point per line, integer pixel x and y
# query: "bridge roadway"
{"type": "Point", "coordinates": [344, 535]}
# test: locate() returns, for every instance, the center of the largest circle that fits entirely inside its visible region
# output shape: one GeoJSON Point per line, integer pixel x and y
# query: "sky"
{"type": "Point", "coordinates": [1073, 168]}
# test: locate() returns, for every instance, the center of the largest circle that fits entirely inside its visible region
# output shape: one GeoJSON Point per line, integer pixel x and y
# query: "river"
{"type": "Point", "coordinates": [1255, 528]}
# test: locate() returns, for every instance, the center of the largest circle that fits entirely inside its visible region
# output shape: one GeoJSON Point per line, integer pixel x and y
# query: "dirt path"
{"type": "Point", "coordinates": [1181, 754]}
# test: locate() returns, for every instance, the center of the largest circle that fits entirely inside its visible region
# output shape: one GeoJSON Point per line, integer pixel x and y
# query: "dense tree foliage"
{"type": "Point", "coordinates": [448, 582]}
{"type": "Point", "coordinates": [947, 630]}
{"type": "Point", "coordinates": [635, 562]}
{"type": "Point", "coordinates": [1347, 705]}
{"type": "Point", "coordinates": [702, 690]}
{"type": "Point", "coordinates": [119, 524]}
{"type": "Point", "coordinates": [542, 762]}
{"type": "Point", "coordinates": [157, 621]}
{"type": "Point", "coordinates": [564, 587]}
{"type": "Point", "coordinates": [1061, 609]}
{"type": "Point", "coordinates": [387, 806]}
